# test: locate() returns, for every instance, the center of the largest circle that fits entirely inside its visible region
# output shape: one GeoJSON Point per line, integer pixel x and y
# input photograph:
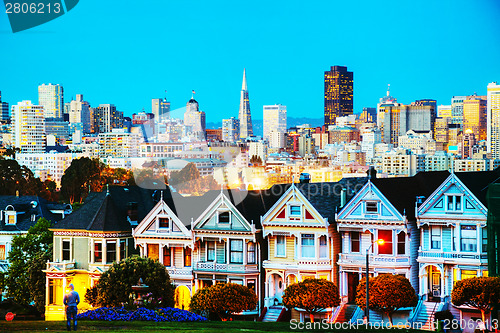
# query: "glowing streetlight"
{"type": "Point", "coordinates": [367, 310]}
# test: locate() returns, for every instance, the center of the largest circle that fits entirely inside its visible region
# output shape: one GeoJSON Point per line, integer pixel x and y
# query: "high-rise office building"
{"type": "Point", "coordinates": [444, 111]}
{"type": "Point", "coordinates": [51, 97]}
{"type": "Point", "coordinates": [274, 119]}
{"type": "Point", "coordinates": [244, 114]}
{"type": "Point", "coordinates": [338, 93]}
{"type": "Point", "coordinates": [474, 116]}
{"type": "Point", "coordinates": [493, 120]}
{"type": "Point", "coordinates": [457, 109]}
{"type": "Point", "coordinates": [160, 107]}
{"type": "Point", "coordinates": [79, 112]}
{"type": "Point", "coordinates": [230, 129]}
{"type": "Point", "coordinates": [106, 117]}
{"type": "Point", "coordinates": [369, 115]}
{"type": "Point", "coordinates": [468, 141]}
{"type": "Point", "coordinates": [28, 127]}
{"type": "Point", "coordinates": [385, 101]}
{"type": "Point", "coordinates": [4, 110]}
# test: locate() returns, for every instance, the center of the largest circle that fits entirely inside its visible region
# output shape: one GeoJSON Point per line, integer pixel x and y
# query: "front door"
{"type": "Point", "coordinates": [352, 284]}
{"type": "Point", "coordinates": [435, 285]}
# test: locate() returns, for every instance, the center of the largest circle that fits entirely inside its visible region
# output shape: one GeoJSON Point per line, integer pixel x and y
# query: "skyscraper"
{"type": "Point", "coordinates": [338, 93]}
{"type": "Point", "coordinates": [493, 123]}
{"type": "Point", "coordinates": [106, 117]}
{"type": "Point", "coordinates": [244, 114]}
{"type": "Point", "coordinates": [79, 112]}
{"type": "Point", "coordinates": [51, 97]}
{"type": "Point", "coordinates": [160, 108]}
{"type": "Point", "coordinates": [28, 127]}
{"type": "Point", "coordinates": [230, 129]}
{"type": "Point", "coordinates": [474, 115]}
{"type": "Point", "coordinates": [194, 120]}
{"type": "Point", "coordinates": [4, 110]}
{"type": "Point", "coordinates": [457, 109]}
{"type": "Point", "coordinates": [274, 119]}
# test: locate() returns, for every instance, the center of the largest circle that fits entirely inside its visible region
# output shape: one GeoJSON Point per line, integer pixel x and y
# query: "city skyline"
{"type": "Point", "coordinates": [463, 37]}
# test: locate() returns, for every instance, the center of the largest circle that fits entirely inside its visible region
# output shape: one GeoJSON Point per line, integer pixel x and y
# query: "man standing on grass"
{"type": "Point", "coordinates": [71, 301]}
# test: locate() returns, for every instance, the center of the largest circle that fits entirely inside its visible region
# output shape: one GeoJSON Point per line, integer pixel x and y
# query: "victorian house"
{"type": "Point", "coordinates": [226, 244]}
{"type": "Point", "coordinates": [89, 241]}
{"type": "Point", "coordinates": [162, 236]}
{"type": "Point", "coordinates": [453, 243]}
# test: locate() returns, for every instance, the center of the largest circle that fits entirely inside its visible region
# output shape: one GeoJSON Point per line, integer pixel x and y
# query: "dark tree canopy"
{"type": "Point", "coordinates": [29, 253]}
{"type": "Point", "coordinates": [312, 295]}
{"type": "Point", "coordinates": [482, 293]}
{"type": "Point", "coordinates": [17, 179]}
{"type": "Point", "coordinates": [81, 177]}
{"type": "Point", "coordinates": [223, 299]}
{"type": "Point", "coordinates": [115, 285]}
{"type": "Point", "coordinates": [189, 181]}
{"type": "Point", "coordinates": [387, 294]}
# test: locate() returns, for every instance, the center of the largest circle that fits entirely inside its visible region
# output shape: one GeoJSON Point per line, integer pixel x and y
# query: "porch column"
{"type": "Point", "coordinates": [443, 283]}
{"type": "Point", "coordinates": [118, 252]}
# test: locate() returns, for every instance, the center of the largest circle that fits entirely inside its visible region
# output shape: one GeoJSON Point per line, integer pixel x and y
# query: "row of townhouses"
{"type": "Point", "coordinates": [433, 225]}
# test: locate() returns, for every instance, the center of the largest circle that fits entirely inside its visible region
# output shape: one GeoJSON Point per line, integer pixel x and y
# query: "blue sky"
{"type": "Point", "coordinates": [127, 52]}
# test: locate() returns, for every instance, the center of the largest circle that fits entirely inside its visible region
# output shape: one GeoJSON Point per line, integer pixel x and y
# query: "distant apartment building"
{"type": "Point", "coordinates": [4, 111]}
{"type": "Point", "coordinates": [258, 149]}
{"type": "Point", "coordinates": [230, 129]}
{"type": "Point", "coordinates": [214, 134]}
{"type": "Point", "coordinates": [275, 119]}
{"type": "Point", "coordinates": [338, 94]}
{"type": "Point", "coordinates": [493, 120]}
{"type": "Point", "coordinates": [48, 166]}
{"type": "Point", "coordinates": [160, 107]}
{"type": "Point", "coordinates": [106, 117]}
{"type": "Point", "coordinates": [28, 127]}
{"type": "Point", "coordinates": [344, 134]}
{"type": "Point", "coordinates": [277, 140]}
{"type": "Point", "coordinates": [444, 111]}
{"type": "Point", "coordinates": [51, 97]}
{"type": "Point", "coordinates": [370, 139]}
{"type": "Point", "coordinates": [118, 143]}
{"type": "Point", "coordinates": [58, 128]}
{"type": "Point", "coordinates": [402, 162]}
{"type": "Point", "coordinates": [306, 145]}
{"type": "Point", "coordinates": [418, 142]}
{"type": "Point", "coordinates": [159, 150]}
{"type": "Point", "coordinates": [439, 161]}
{"type": "Point", "coordinates": [472, 165]}
{"type": "Point", "coordinates": [79, 113]}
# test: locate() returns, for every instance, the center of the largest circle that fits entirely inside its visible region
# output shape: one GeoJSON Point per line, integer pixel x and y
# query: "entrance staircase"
{"type": "Point", "coordinates": [425, 314]}
{"type": "Point", "coordinates": [345, 313]}
{"type": "Point", "coordinates": [272, 314]}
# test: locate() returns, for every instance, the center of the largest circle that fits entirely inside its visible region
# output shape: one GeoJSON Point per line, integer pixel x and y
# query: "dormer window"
{"type": "Point", "coordinates": [163, 223]}
{"type": "Point", "coordinates": [224, 217]}
{"type": "Point", "coordinates": [371, 207]}
{"type": "Point", "coordinates": [294, 210]}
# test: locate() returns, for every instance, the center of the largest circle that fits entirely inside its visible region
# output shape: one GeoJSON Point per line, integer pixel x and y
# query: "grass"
{"type": "Point", "coordinates": [138, 326]}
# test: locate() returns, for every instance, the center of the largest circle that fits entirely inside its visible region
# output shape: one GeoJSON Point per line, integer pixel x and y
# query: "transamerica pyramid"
{"type": "Point", "coordinates": [244, 115]}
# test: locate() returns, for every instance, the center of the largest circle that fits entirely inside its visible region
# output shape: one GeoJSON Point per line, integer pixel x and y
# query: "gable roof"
{"type": "Point", "coordinates": [478, 181]}
{"type": "Point", "coordinates": [402, 192]}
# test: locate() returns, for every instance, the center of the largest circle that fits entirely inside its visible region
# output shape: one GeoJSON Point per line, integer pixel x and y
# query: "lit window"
{"type": "Point", "coordinates": [187, 257]}
{"type": "Point", "coordinates": [97, 252]}
{"type": "Point", "coordinates": [2, 252]}
{"type": "Point", "coordinates": [167, 257]}
{"type": "Point", "coordinates": [163, 223]}
{"type": "Point", "coordinates": [385, 248]}
{"type": "Point", "coordinates": [251, 253]}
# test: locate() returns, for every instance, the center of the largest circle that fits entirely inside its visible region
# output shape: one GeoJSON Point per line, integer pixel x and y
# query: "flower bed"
{"type": "Point", "coordinates": [141, 314]}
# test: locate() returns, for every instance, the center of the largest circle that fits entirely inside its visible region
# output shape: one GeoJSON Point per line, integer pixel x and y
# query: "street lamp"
{"type": "Point", "coordinates": [367, 310]}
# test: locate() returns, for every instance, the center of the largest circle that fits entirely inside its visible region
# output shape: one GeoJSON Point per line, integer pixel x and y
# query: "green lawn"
{"type": "Point", "coordinates": [206, 327]}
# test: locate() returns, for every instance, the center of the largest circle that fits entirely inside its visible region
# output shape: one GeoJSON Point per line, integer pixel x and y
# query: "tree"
{"type": "Point", "coordinates": [115, 285]}
{"type": "Point", "coordinates": [29, 253]}
{"type": "Point", "coordinates": [256, 160]}
{"type": "Point", "coordinates": [482, 293]}
{"type": "Point", "coordinates": [387, 294]}
{"type": "Point", "coordinates": [17, 179]}
{"type": "Point", "coordinates": [81, 177]}
{"type": "Point", "coordinates": [223, 299]}
{"type": "Point", "coordinates": [312, 295]}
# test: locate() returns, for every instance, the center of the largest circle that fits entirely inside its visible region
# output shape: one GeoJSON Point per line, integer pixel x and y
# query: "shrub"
{"type": "Point", "coordinates": [141, 314]}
